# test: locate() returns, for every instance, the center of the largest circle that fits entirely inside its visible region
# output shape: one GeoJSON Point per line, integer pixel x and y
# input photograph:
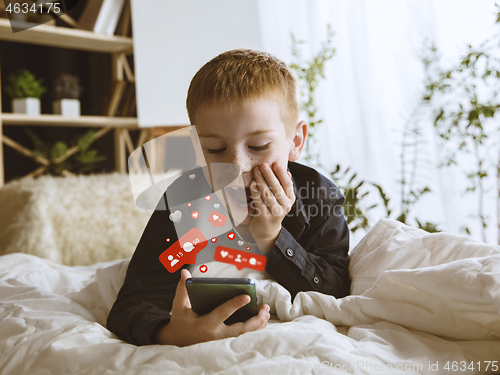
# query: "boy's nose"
{"type": "Point", "coordinates": [247, 177]}
{"type": "Point", "coordinates": [246, 165]}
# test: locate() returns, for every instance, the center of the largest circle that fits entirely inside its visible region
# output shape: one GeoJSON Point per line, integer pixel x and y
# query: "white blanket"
{"type": "Point", "coordinates": [420, 302]}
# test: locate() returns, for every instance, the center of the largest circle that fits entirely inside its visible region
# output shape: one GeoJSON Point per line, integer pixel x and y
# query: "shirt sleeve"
{"type": "Point", "coordinates": [145, 299]}
{"type": "Point", "coordinates": [320, 261]}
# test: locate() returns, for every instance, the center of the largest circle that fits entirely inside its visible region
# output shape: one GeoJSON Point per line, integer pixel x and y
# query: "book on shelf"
{"type": "Point", "coordinates": [114, 17]}
{"type": "Point", "coordinates": [101, 16]}
{"type": "Point", "coordinates": [124, 23]}
{"type": "Point", "coordinates": [89, 14]}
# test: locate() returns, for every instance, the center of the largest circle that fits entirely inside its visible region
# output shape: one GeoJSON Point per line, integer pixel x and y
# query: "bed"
{"type": "Point", "coordinates": [421, 304]}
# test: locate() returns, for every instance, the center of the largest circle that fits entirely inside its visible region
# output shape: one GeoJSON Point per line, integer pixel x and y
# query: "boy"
{"type": "Point", "coordinates": [245, 109]}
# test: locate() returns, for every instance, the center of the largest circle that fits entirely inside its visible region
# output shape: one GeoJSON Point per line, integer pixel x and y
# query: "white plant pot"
{"type": "Point", "coordinates": [66, 107]}
{"type": "Point", "coordinates": [27, 106]}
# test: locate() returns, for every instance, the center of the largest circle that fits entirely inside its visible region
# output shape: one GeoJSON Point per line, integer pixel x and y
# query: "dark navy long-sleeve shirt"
{"type": "Point", "coordinates": [310, 254]}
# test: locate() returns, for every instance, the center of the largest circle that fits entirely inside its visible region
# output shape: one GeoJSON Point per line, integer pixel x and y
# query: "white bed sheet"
{"type": "Point", "coordinates": [419, 300]}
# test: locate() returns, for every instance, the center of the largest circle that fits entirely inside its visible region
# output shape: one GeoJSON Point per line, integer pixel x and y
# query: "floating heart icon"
{"type": "Point", "coordinates": [224, 254]}
{"type": "Point", "coordinates": [217, 219]}
{"type": "Point", "coordinates": [195, 215]}
{"type": "Point", "coordinates": [208, 197]}
{"type": "Point", "coordinates": [230, 235]}
{"type": "Point", "coordinates": [240, 242]}
{"type": "Point", "coordinates": [175, 216]}
{"type": "Point", "coordinates": [213, 239]}
{"type": "Point", "coordinates": [203, 268]}
{"type": "Point", "coordinates": [217, 205]}
{"type": "Point", "coordinates": [192, 176]}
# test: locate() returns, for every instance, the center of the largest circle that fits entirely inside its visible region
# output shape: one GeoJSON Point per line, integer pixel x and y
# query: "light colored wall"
{"type": "Point", "coordinates": [173, 39]}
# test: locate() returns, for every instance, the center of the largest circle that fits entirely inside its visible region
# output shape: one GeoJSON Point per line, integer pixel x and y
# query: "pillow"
{"type": "Point", "coordinates": [392, 245]}
{"type": "Point", "coordinates": [77, 220]}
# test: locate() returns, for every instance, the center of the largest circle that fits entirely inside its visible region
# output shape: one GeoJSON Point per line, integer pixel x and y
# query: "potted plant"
{"type": "Point", "coordinates": [25, 90]}
{"type": "Point", "coordinates": [67, 91]}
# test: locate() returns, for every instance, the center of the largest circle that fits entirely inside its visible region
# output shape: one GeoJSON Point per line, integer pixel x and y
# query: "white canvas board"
{"type": "Point", "coordinates": [173, 39]}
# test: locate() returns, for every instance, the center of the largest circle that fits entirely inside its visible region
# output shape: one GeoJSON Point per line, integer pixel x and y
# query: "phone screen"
{"type": "Point", "coordinates": [207, 293]}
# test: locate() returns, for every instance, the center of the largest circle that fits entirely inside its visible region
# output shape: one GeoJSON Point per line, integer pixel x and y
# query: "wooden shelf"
{"type": "Point", "coordinates": [82, 121]}
{"type": "Point", "coordinates": [65, 37]}
{"type": "Point", "coordinates": [76, 39]}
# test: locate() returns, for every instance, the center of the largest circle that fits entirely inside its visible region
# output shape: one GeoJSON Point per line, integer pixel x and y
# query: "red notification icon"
{"type": "Point", "coordinates": [217, 219]}
{"type": "Point", "coordinates": [240, 259]}
{"type": "Point", "coordinates": [183, 251]}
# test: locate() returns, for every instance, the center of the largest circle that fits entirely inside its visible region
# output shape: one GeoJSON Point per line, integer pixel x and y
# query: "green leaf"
{"type": "Point", "coordinates": [488, 111]}
{"type": "Point", "coordinates": [402, 218]}
{"type": "Point", "coordinates": [428, 227]}
{"type": "Point", "coordinates": [58, 150]}
{"type": "Point", "coordinates": [473, 115]}
{"type": "Point", "coordinates": [22, 84]}
{"type": "Point", "coordinates": [40, 147]}
{"type": "Point", "coordinates": [85, 140]}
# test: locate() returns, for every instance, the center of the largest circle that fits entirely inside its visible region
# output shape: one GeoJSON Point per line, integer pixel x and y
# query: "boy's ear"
{"type": "Point", "coordinates": [298, 141]}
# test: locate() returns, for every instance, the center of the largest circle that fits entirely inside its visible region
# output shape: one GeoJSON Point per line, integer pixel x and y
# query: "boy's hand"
{"type": "Point", "coordinates": [187, 328]}
{"type": "Point", "coordinates": [273, 197]}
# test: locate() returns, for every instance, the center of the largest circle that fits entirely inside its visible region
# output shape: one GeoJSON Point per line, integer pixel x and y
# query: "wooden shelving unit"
{"type": "Point", "coordinates": [82, 121]}
{"type": "Point", "coordinates": [64, 37]}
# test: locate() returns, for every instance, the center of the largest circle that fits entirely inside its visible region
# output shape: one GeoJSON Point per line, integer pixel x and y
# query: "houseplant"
{"type": "Point", "coordinates": [64, 162]}
{"type": "Point", "coordinates": [466, 117]}
{"type": "Point", "coordinates": [355, 190]}
{"type": "Point", "coordinates": [25, 91]}
{"type": "Point", "coordinates": [67, 91]}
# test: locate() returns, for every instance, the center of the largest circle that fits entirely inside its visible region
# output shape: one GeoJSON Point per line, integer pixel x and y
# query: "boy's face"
{"type": "Point", "coordinates": [247, 135]}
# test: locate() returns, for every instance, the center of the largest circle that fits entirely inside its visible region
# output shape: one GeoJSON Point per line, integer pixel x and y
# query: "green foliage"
{"type": "Point", "coordinates": [83, 161]}
{"type": "Point", "coordinates": [354, 207]}
{"type": "Point", "coordinates": [468, 102]}
{"type": "Point", "coordinates": [23, 84]}
{"type": "Point", "coordinates": [409, 165]}
{"type": "Point", "coordinates": [355, 190]}
{"type": "Point", "coordinates": [385, 199]}
{"type": "Point", "coordinates": [428, 227]}
{"type": "Point", "coordinates": [309, 74]}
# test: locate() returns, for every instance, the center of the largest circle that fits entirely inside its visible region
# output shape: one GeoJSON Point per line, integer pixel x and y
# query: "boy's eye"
{"type": "Point", "coordinates": [216, 151]}
{"type": "Point", "coordinates": [260, 148]}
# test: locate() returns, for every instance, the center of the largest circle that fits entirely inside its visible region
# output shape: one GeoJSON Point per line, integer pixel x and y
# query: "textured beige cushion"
{"type": "Point", "coordinates": [77, 220]}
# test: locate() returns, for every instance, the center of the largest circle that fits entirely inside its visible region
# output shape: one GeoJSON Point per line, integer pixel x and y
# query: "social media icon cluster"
{"type": "Point", "coordinates": [206, 219]}
{"type": "Point", "coordinates": [240, 259]}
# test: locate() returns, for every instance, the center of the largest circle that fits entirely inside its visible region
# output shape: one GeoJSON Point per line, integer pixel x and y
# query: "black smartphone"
{"type": "Point", "coordinates": [206, 293]}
